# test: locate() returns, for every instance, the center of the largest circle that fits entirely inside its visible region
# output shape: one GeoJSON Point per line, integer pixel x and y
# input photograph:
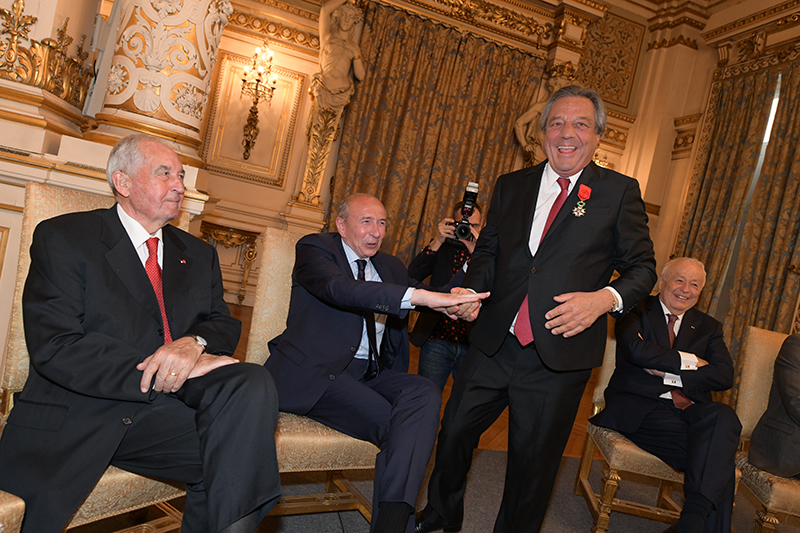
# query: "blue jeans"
{"type": "Point", "coordinates": [438, 358]}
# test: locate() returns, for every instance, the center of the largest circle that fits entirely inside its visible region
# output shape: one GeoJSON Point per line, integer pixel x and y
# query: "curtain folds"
{"type": "Point", "coordinates": [435, 110]}
{"type": "Point", "coordinates": [723, 174]}
{"type": "Point", "coordinates": [767, 283]}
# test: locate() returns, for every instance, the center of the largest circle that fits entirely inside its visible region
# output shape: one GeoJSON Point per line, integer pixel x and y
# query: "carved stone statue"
{"type": "Point", "coordinates": [332, 87]}
{"type": "Point", "coordinates": [527, 129]}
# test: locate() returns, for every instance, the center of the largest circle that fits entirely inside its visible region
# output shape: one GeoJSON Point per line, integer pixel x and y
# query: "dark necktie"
{"type": "Point", "coordinates": [373, 366]}
{"type": "Point", "coordinates": [522, 328]}
{"type": "Point", "coordinates": [680, 399]}
{"type": "Point", "coordinates": [154, 273]}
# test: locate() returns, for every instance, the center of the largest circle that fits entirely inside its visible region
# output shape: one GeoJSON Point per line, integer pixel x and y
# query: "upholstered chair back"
{"type": "Point", "coordinates": [760, 349]}
{"type": "Point", "coordinates": [41, 202]}
{"type": "Point", "coordinates": [272, 292]}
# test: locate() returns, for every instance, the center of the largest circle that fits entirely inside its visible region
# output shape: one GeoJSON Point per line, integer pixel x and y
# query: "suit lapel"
{"type": "Point", "coordinates": [658, 322]}
{"type": "Point", "coordinates": [687, 332]}
{"type": "Point", "coordinates": [125, 262]}
{"type": "Point", "coordinates": [176, 269]}
{"type": "Point", "coordinates": [530, 196]}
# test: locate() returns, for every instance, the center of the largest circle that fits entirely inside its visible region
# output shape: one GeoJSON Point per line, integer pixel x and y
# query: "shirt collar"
{"type": "Point", "coordinates": [551, 177]}
{"type": "Point", "coordinates": [668, 312]}
{"type": "Point", "coordinates": [136, 232]}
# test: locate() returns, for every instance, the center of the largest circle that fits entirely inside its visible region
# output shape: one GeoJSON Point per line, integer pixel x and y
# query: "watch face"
{"type": "Point", "coordinates": [200, 340]}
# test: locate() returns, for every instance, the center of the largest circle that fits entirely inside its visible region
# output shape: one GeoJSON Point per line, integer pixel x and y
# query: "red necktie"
{"type": "Point", "coordinates": [680, 399]}
{"type": "Point", "coordinates": [154, 273]}
{"type": "Point", "coordinates": [522, 328]}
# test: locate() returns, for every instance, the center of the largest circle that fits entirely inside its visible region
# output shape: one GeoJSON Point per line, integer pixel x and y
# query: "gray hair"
{"type": "Point", "coordinates": [127, 156]}
{"type": "Point", "coordinates": [600, 118]}
{"type": "Point", "coordinates": [691, 260]}
{"type": "Point", "coordinates": [344, 206]}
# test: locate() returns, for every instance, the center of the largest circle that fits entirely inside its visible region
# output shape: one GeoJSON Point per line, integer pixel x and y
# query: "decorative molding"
{"type": "Point", "coordinates": [290, 8]}
{"type": "Point", "coordinates": [754, 18]}
{"type": "Point", "coordinates": [164, 58]}
{"type": "Point", "coordinates": [688, 119]}
{"type": "Point", "coordinates": [675, 41]}
{"type": "Point", "coordinates": [44, 64]}
{"type": "Point", "coordinates": [770, 58]}
{"type": "Point", "coordinates": [274, 30]}
{"type": "Point", "coordinates": [620, 116]}
{"type": "Point", "coordinates": [324, 130]}
{"type": "Point", "coordinates": [616, 137]}
{"type": "Point", "coordinates": [682, 21]}
{"type": "Point", "coordinates": [610, 56]}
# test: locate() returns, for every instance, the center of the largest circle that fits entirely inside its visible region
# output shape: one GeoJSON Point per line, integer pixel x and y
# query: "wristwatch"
{"type": "Point", "coordinates": [200, 342]}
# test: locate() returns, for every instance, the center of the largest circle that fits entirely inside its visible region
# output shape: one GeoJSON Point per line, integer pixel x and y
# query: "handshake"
{"type": "Point", "coordinates": [460, 303]}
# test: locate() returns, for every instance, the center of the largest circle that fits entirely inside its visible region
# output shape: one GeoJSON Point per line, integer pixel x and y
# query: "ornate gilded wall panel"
{"type": "Point", "coordinates": [278, 123]}
{"type": "Point", "coordinates": [610, 56]}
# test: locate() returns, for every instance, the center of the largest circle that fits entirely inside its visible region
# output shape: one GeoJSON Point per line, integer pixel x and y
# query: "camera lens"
{"type": "Point", "coordinates": [463, 230]}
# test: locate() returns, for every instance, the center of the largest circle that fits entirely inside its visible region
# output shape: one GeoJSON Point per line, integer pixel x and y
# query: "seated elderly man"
{"type": "Point", "coordinates": [775, 443]}
{"type": "Point", "coordinates": [130, 343]}
{"type": "Point", "coordinates": [670, 357]}
{"type": "Point", "coordinates": [343, 357]}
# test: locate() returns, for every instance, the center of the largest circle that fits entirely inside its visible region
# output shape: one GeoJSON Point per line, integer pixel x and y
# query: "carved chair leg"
{"type": "Point", "coordinates": [610, 485]}
{"type": "Point", "coordinates": [585, 465]}
{"type": "Point", "coordinates": [664, 492]}
{"type": "Point", "coordinates": [766, 521]}
{"type": "Point", "coordinates": [330, 486]}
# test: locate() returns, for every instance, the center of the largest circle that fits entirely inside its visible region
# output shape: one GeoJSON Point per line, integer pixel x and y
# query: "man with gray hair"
{"type": "Point", "coordinates": [554, 234]}
{"type": "Point", "coordinates": [130, 343]}
{"type": "Point", "coordinates": [670, 357]}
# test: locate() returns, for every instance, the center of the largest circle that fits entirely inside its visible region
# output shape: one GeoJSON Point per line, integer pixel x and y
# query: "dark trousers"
{"type": "Point", "coordinates": [397, 412]}
{"type": "Point", "coordinates": [542, 407]}
{"type": "Point", "coordinates": [700, 441]}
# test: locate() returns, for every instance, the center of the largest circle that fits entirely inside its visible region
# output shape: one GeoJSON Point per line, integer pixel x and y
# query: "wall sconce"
{"type": "Point", "coordinates": [258, 83]}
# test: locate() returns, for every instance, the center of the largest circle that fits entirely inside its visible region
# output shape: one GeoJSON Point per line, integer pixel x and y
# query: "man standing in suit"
{"type": "Point", "coordinates": [132, 371]}
{"type": "Point", "coordinates": [775, 443]}
{"type": "Point", "coordinates": [343, 357]}
{"type": "Point", "coordinates": [443, 340]}
{"type": "Point", "coordinates": [543, 328]}
{"type": "Point", "coordinates": [670, 357]}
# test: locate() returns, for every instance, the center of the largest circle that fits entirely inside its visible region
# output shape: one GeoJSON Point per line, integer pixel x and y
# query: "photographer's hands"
{"type": "Point", "coordinates": [445, 230]}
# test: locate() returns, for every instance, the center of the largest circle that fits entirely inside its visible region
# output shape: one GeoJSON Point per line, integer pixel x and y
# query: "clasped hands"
{"type": "Point", "coordinates": [174, 363]}
{"type": "Point", "coordinates": [576, 312]}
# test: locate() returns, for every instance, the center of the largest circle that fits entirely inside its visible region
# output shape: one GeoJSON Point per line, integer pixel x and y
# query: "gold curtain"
{"type": "Point", "coordinates": [435, 110]}
{"type": "Point", "coordinates": [738, 110]}
{"type": "Point", "coordinates": [767, 283]}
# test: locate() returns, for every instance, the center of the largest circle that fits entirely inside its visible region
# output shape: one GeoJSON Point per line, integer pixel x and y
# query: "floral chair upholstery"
{"type": "Point", "coordinates": [777, 495]}
{"type": "Point", "coordinates": [117, 491]}
{"type": "Point", "coordinates": [12, 509]}
{"type": "Point", "coordinates": [303, 445]}
{"type": "Point", "coordinates": [621, 455]}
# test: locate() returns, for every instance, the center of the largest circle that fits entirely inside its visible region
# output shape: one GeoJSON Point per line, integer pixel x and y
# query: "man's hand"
{"type": "Point", "coordinates": [701, 362]}
{"type": "Point", "coordinates": [174, 363]}
{"type": "Point", "coordinates": [459, 302]}
{"type": "Point", "coordinates": [444, 230]}
{"type": "Point", "coordinates": [654, 372]}
{"type": "Point", "coordinates": [578, 311]}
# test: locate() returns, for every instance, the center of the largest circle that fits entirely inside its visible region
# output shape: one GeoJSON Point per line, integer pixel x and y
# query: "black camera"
{"type": "Point", "coordinates": [463, 229]}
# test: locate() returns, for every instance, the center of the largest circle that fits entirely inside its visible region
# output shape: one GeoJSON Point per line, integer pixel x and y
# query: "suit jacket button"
{"type": "Point", "coordinates": [354, 349]}
{"type": "Point", "coordinates": [533, 270]}
{"type": "Point", "coordinates": [127, 421]}
{"type": "Point", "coordinates": [332, 377]}
{"type": "Point", "coordinates": [160, 332]}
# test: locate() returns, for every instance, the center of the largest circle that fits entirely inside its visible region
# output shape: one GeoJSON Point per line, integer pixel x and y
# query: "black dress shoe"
{"type": "Point", "coordinates": [433, 522]}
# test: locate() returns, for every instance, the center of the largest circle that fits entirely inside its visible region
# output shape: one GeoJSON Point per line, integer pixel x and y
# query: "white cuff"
{"type": "Point", "coordinates": [673, 380]}
{"type": "Point", "coordinates": [405, 303]}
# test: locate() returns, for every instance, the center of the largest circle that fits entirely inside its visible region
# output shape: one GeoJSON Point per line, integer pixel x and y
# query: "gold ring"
{"type": "Point", "coordinates": [173, 373]}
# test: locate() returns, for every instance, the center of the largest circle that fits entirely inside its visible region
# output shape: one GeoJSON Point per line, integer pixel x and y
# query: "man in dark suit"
{"type": "Point", "coordinates": [775, 443]}
{"type": "Point", "coordinates": [670, 357]}
{"type": "Point", "coordinates": [543, 328]}
{"type": "Point", "coordinates": [343, 357]}
{"type": "Point", "coordinates": [442, 340]}
{"type": "Point", "coordinates": [134, 372]}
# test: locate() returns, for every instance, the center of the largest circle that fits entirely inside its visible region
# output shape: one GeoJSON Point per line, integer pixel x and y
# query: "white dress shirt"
{"type": "Point", "coordinates": [138, 236]}
{"type": "Point", "coordinates": [688, 360]}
